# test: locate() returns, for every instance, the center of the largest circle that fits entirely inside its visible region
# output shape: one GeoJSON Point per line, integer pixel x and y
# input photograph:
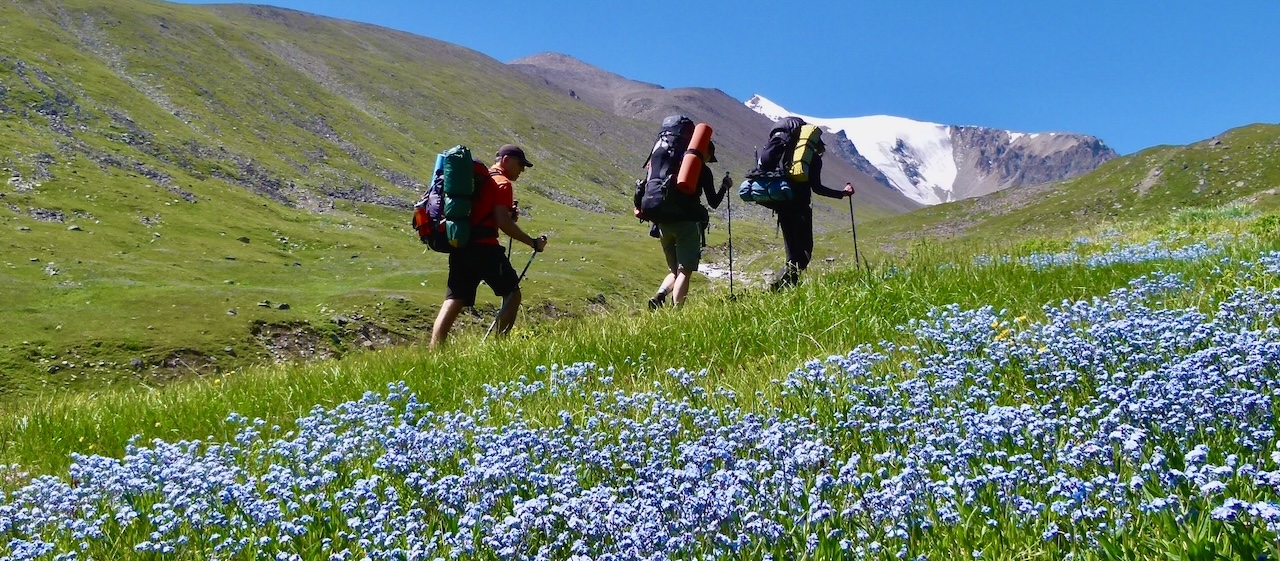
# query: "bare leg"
{"type": "Point", "coordinates": [680, 288]}
{"type": "Point", "coordinates": [511, 308]}
{"type": "Point", "coordinates": [667, 282]}
{"type": "Point", "coordinates": [444, 321]}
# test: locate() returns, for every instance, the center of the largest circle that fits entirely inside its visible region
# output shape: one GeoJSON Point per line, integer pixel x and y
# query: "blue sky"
{"type": "Point", "coordinates": [1134, 73]}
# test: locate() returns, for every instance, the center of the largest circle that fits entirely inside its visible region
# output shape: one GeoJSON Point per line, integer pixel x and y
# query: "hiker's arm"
{"type": "Point", "coordinates": [708, 187]}
{"type": "Point", "coordinates": [829, 192]}
{"type": "Point", "coordinates": [815, 182]}
{"type": "Point", "coordinates": [502, 217]}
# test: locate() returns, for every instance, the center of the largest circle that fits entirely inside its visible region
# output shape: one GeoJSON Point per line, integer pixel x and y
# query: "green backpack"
{"type": "Point", "coordinates": [442, 217]}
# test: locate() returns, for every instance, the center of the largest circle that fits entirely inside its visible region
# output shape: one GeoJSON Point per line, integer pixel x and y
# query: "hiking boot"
{"type": "Point", "coordinates": [657, 301]}
{"type": "Point", "coordinates": [786, 278]}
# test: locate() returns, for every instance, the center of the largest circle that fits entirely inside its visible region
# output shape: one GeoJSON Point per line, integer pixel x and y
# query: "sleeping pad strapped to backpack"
{"type": "Point", "coordinates": [444, 216]}
{"type": "Point", "coordinates": [657, 197]}
{"type": "Point", "coordinates": [769, 183]}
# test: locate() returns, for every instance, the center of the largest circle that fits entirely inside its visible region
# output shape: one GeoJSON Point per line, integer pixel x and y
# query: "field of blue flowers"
{"type": "Point", "coordinates": [1136, 424]}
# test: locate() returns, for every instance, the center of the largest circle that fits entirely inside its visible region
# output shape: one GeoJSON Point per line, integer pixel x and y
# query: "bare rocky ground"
{"type": "Point", "coordinates": [300, 341]}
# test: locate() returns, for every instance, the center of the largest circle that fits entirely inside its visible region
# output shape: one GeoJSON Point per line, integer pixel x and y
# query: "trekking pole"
{"type": "Point", "coordinates": [857, 259]}
{"type": "Point", "coordinates": [730, 210]}
{"type": "Point", "coordinates": [506, 300]}
{"type": "Point", "coordinates": [515, 206]}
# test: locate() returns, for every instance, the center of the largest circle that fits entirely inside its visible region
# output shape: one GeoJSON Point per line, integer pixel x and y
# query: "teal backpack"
{"type": "Point", "coordinates": [442, 217]}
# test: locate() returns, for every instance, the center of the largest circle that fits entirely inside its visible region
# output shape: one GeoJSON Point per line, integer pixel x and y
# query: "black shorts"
{"type": "Point", "coordinates": [476, 264]}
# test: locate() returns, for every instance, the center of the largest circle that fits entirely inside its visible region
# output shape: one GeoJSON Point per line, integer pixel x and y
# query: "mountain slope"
{"type": "Point", "coordinates": [596, 87]}
{"type": "Point", "coordinates": [192, 188]}
{"type": "Point", "coordinates": [933, 163]}
{"type": "Point", "coordinates": [331, 100]}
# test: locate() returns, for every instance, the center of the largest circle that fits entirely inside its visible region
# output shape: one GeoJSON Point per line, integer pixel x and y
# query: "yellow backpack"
{"type": "Point", "coordinates": [809, 146]}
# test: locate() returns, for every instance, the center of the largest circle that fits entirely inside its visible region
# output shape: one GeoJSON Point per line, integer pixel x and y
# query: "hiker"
{"type": "Point", "coordinates": [795, 218]}
{"type": "Point", "coordinates": [484, 260]}
{"type": "Point", "coordinates": [682, 232]}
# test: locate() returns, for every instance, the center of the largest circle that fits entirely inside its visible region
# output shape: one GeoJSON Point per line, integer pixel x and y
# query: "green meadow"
{"type": "Point", "coordinates": [741, 346]}
{"type": "Point", "coordinates": [745, 342]}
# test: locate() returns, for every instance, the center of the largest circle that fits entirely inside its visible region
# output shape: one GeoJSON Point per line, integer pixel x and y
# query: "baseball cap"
{"type": "Point", "coordinates": [516, 152]}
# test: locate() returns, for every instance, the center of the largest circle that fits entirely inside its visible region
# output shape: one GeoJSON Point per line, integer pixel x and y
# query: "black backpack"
{"type": "Point", "coordinates": [776, 154]}
{"type": "Point", "coordinates": [656, 196]}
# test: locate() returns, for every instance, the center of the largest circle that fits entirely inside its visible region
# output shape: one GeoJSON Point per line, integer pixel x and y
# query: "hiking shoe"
{"type": "Point", "coordinates": [657, 301]}
{"type": "Point", "coordinates": [784, 279]}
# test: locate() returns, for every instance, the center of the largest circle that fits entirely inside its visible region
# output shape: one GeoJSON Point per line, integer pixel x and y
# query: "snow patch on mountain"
{"type": "Point", "coordinates": [763, 106]}
{"type": "Point", "coordinates": [916, 156]}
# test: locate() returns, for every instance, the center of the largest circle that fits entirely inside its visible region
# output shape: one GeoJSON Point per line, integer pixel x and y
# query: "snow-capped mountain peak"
{"type": "Point", "coordinates": [763, 106]}
{"type": "Point", "coordinates": [933, 163]}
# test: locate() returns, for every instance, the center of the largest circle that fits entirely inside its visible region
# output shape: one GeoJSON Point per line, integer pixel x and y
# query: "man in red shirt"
{"type": "Point", "coordinates": [484, 259]}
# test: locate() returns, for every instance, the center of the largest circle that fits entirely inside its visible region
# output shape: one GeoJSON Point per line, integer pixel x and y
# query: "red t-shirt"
{"type": "Point", "coordinates": [496, 191]}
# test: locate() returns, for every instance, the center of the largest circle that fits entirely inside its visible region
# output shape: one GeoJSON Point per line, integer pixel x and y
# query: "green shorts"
{"type": "Point", "coordinates": [682, 244]}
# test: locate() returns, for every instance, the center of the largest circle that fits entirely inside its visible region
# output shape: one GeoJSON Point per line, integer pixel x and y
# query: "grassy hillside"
{"type": "Point", "coordinates": [177, 173]}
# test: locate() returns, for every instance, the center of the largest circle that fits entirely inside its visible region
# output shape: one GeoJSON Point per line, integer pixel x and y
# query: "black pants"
{"type": "Point", "coordinates": [796, 224]}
